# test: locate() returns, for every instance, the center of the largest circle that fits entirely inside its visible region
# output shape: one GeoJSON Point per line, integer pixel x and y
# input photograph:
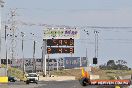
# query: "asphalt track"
{"type": "Point", "coordinates": [49, 84]}
{"type": "Point", "coordinates": [45, 84]}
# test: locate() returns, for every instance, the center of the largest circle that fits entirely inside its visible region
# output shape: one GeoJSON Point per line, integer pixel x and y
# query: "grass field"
{"type": "Point", "coordinates": [104, 74]}
{"type": "Point", "coordinates": [14, 72]}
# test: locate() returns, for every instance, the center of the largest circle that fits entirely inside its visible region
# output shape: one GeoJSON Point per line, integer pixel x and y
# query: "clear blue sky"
{"type": "Point", "coordinates": [113, 43]}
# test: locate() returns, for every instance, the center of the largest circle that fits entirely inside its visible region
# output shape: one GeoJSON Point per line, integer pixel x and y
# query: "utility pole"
{"type": "Point", "coordinates": [95, 59]}
{"type": "Point", "coordinates": [48, 65]}
{"type": "Point", "coordinates": [57, 64]}
{"type": "Point", "coordinates": [44, 52]}
{"type": "Point", "coordinates": [1, 6]}
{"type": "Point", "coordinates": [88, 67]}
{"type": "Point", "coordinates": [6, 49]}
{"type": "Point", "coordinates": [34, 61]}
{"type": "Point", "coordinates": [23, 61]}
{"type": "Point", "coordinates": [96, 43]}
{"type": "Point", "coordinates": [13, 36]}
{"type": "Point", "coordinates": [87, 33]}
{"type": "Point", "coordinates": [95, 32]}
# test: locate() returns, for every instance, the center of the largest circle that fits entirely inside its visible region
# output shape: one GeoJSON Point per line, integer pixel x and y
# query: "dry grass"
{"type": "Point", "coordinates": [104, 74]}
{"type": "Point", "coordinates": [14, 72]}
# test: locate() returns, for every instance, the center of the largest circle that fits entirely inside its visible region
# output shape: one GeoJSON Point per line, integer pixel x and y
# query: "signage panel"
{"type": "Point", "coordinates": [60, 42]}
{"type": "Point", "coordinates": [53, 50]}
{"type": "Point", "coordinates": [71, 62]}
{"type": "Point", "coordinates": [61, 33]}
{"type": "Point", "coordinates": [110, 82]}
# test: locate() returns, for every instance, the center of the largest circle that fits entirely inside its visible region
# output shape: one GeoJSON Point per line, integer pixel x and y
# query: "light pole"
{"type": "Point", "coordinates": [6, 49]}
{"type": "Point", "coordinates": [87, 33]}
{"type": "Point", "coordinates": [34, 61]}
{"type": "Point", "coordinates": [44, 56]}
{"type": "Point", "coordinates": [96, 43]}
{"type": "Point", "coordinates": [1, 5]}
{"type": "Point", "coordinates": [23, 61]}
{"type": "Point", "coordinates": [95, 59]}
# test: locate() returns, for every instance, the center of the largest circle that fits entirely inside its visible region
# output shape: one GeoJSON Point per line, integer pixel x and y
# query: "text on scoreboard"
{"type": "Point", "coordinates": [53, 50]}
{"type": "Point", "coordinates": [60, 42]}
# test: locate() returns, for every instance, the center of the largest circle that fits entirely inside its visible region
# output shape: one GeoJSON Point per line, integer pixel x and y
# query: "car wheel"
{"type": "Point", "coordinates": [27, 82]}
{"type": "Point", "coordinates": [11, 80]}
{"type": "Point", "coordinates": [36, 82]}
{"type": "Point", "coordinates": [84, 81]}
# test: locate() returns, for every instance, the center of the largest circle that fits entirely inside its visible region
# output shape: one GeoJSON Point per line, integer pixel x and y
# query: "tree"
{"type": "Point", "coordinates": [111, 64]}
{"type": "Point", "coordinates": [121, 65]}
{"type": "Point", "coordinates": [103, 67]}
{"type": "Point", "coordinates": [122, 62]}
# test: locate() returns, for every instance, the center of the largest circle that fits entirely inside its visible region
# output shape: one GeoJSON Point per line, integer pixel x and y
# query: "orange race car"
{"type": "Point", "coordinates": [85, 80]}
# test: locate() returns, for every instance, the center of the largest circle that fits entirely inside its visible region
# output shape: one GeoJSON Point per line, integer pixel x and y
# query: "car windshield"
{"type": "Point", "coordinates": [32, 75]}
{"type": "Point", "coordinates": [11, 77]}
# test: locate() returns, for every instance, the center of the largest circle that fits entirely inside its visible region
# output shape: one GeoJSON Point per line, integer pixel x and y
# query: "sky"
{"type": "Point", "coordinates": [113, 43]}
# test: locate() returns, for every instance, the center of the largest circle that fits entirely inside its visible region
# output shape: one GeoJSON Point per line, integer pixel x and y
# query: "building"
{"type": "Point", "coordinates": [63, 63]}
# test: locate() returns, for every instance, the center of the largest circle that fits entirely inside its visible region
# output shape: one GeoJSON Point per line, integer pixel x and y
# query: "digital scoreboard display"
{"type": "Point", "coordinates": [60, 42]}
{"type": "Point", "coordinates": [53, 50]}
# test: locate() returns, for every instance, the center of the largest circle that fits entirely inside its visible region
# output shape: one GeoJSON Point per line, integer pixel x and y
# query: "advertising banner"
{"type": "Point", "coordinates": [71, 62]}
{"type": "Point", "coordinates": [61, 33]}
{"type": "Point", "coordinates": [83, 61]}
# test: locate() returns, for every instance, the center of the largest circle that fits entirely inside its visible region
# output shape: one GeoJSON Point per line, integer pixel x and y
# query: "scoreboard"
{"type": "Point", "coordinates": [60, 46]}
{"type": "Point", "coordinates": [60, 42]}
{"type": "Point", "coordinates": [53, 50]}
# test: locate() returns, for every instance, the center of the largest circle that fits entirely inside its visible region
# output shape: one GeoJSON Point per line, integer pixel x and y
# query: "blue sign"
{"type": "Point", "coordinates": [71, 62]}
{"type": "Point", "coordinates": [83, 61]}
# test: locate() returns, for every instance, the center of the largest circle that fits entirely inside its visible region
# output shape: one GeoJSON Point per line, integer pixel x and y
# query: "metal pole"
{"type": "Point", "coordinates": [80, 61]}
{"type": "Point", "coordinates": [57, 64]}
{"type": "Point", "coordinates": [87, 68]}
{"type": "Point", "coordinates": [48, 65]}
{"type": "Point", "coordinates": [44, 57]}
{"type": "Point", "coordinates": [1, 5]}
{"type": "Point", "coordinates": [87, 48]}
{"type": "Point", "coordinates": [95, 42]}
{"type": "Point", "coordinates": [63, 63]}
{"type": "Point", "coordinates": [0, 36]}
{"type": "Point", "coordinates": [87, 58]}
{"type": "Point", "coordinates": [45, 66]}
{"type": "Point", "coordinates": [13, 28]}
{"type": "Point", "coordinates": [34, 61]}
{"type": "Point", "coordinates": [6, 49]}
{"type": "Point", "coordinates": [42, 62]}
{"type": "Point", "coordinates": [22, 34]}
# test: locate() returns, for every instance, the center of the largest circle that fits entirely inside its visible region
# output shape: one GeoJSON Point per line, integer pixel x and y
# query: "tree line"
{"type": "Point", "coordinates": [115, 65]}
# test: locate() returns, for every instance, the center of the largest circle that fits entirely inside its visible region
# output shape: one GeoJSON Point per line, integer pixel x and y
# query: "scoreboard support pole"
{"type": "Point", "coordinates": [45, 66]}
{"type": "Point", "coordinates": [44, 56]}
{"type": "Point", "coordinates": [48, 65]}
{"type": "Point", "coordinates": [57, 64]}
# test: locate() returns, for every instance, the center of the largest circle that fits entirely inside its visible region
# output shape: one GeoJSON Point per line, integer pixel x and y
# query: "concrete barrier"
{"type": "Point", "coordinates": [57, 78]}
{"type": "Point", "coordinates": [3, 72]}
{"type": "Point", "coordinates": [93, 77]}
{"type": "Point", "coordinates": [125, 77]}
{"type": "Point", "coordinates": [3, 79]}
{"type": "Point", "coordinates": [130, 86]}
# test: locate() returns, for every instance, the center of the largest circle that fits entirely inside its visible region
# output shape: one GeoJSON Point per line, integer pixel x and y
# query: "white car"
{"type": "Point", "coordinates": [32, 78]}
